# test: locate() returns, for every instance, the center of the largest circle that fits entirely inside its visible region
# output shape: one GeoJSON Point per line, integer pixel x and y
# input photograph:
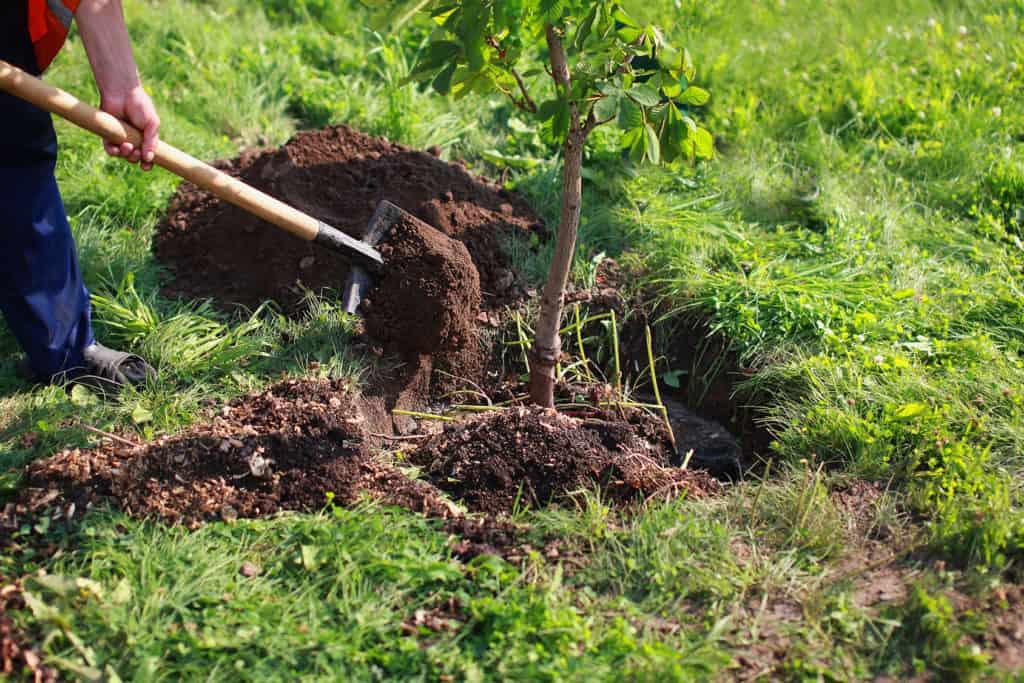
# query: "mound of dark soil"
{"type": "Point", "coordinates": [284, 449]}
{"type": "Point", "coordinates": [538, 457]}
{"type": "Point", "coordinates": [428, 297]}
{"type": "Point", "coordinates": [338, 175]}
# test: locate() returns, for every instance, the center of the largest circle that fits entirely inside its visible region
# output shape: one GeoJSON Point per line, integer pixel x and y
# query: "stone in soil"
{"type": "Point", "coordinates": [338, 175]}
{"type": "Point", "coordinates": [534, 457]}
{"type": "Point", "coordinates": [713, 447]}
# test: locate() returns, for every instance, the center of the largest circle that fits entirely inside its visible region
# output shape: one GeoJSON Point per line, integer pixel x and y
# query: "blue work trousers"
{"type": "Point", "coordinates": [42, 296]}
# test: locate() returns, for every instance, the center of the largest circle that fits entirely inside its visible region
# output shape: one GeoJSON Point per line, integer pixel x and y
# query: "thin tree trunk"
{"type": "Point", "coordinates": [547, 344]}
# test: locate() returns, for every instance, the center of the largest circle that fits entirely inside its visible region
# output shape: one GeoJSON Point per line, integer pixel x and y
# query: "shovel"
{"type": "Point", "coordinates": [362, 255]}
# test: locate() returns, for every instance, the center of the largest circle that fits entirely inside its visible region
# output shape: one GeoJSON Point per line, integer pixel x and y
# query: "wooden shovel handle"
{"type": "Point", "coordinates": [230, 189]}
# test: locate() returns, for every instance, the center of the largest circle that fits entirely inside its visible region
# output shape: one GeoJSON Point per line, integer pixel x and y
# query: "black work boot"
{"type": "Point", "coordinates": [103, 369]}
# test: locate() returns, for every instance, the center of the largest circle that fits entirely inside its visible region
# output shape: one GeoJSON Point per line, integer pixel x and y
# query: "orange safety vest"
{"type": "Point", "coordinates": [48, 24]}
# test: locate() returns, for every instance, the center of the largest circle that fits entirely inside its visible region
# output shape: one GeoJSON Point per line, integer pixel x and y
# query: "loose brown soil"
{"type": "Point", "coordinates": [338, 175]}
{"type": "Point", "coordinates": [289, 448]}
{"type": "Point", "coordinates": [533, 457]}
{"type": "Point", "coordinates": [300, 444]}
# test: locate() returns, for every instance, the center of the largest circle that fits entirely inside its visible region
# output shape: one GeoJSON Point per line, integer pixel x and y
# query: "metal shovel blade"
{"type": "Point", "coordinates": [359, 278]}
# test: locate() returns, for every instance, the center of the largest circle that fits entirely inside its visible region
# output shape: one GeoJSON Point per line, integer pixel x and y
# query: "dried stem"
{"type": "Point", "coordinates": [113, 437]}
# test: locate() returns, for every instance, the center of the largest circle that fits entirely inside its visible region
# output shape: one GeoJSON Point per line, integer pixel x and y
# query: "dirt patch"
{"type": "Point", "coordinates": [292, 447]}
{"type": "Point", "coordinates": [1004, 633]}
{"type": "Point", "coordinates": [533, 457]}
{"type": "Point", "coordinates": [764, 638]}
{"type": "Point", "coordinates": [338, 175]}
{"type": "Point", "coordinates": [445, 616]}
{"type": "Point", "coordinates": [875, 558]}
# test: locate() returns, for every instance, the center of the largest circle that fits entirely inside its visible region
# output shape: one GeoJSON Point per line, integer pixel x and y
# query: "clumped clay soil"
{"type": "Point", "coordinates": [339, 176]}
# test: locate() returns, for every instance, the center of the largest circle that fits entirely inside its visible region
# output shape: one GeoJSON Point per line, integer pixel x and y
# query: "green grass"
{"type": "Point", "coordinates": [858, 241]}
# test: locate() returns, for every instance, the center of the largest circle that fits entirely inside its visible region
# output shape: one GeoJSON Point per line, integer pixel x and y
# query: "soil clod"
{"type": "Point", "coordinates": [428, 297]}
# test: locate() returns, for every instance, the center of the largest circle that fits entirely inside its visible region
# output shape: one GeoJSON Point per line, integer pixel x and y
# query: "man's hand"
{"type": "Point", "coordinates": [105, 36]}
{"type": "Point", "coordinates": [135, 107]}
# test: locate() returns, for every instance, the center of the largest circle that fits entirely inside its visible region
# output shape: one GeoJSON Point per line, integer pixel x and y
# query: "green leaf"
{"type": "Point", "coordinates": [688, 68]}
{"type": "Point", "coordinates": [443, 82]}
{"type": "Point", "coordinates": [695, 96]}
{"type": "Point", "coordinates": [652, 145]}
{"type": "Point", "coordinates": [672, 90]}
{"type": "Point", "coordinates": [548, 109]}
{"type": "Point", "coordinates": [655, 37]}
{"type": "Point", "coordinates": [141, 415]}
{"type": "Point", "coordinates": [644, 95]}
{"type": "Point", "coordinates": [81, 396]}
{"type": "Point", "coordinates": [513, 161]}
{"type": "Point", "coordinates": [670, 59]}
{"type": "Point", "coordinates": [586, 27]}
{"type": "Point", "coordinates": [309, 557]}
{"type": "Point", "coordinates": [630, 35]}
{"type": "Point", "coordinates": [606, 108]}
{"type": "Point", "coordinates": [475, 49]}
{"type": "Point", "coordinates": [560, 123]}
{"type": "Point", "coordinates": [122, 592]}
{"type": "Point", "coordinates": [630, 116]}
{"type": "Point", "coordinates": [689, 149]}
{"type": "Point", "coordinates": [552, 10]}
{"type": "Point", "coordinates": [911, 411]}
{"type": "Point", "coordinates": [435, 56]}
{"type": "Point", "coordinates": [620, 15]}
{"type": "Point", "coordinates": [671, 378]}
{"type": "Point", "coordinates": [704, 144]}
{"type": "Point", "coordinates": [633, 140]}
{"type": "Point", "coordinates": [673, 134]}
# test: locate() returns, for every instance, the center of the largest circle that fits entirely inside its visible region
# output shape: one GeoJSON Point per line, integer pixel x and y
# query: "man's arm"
{"type": "Point", "coordinates": [105, 36]}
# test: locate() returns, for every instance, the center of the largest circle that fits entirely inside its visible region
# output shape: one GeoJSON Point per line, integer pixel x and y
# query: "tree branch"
{"type": "Point", "coordinates": [559, 61]}
{"type": "Point", "coordinates": [593, 122]}
{"type": "Point", "coordinates": [526, 103]}
{"type": "Point", "coordinates": [530, 105]}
